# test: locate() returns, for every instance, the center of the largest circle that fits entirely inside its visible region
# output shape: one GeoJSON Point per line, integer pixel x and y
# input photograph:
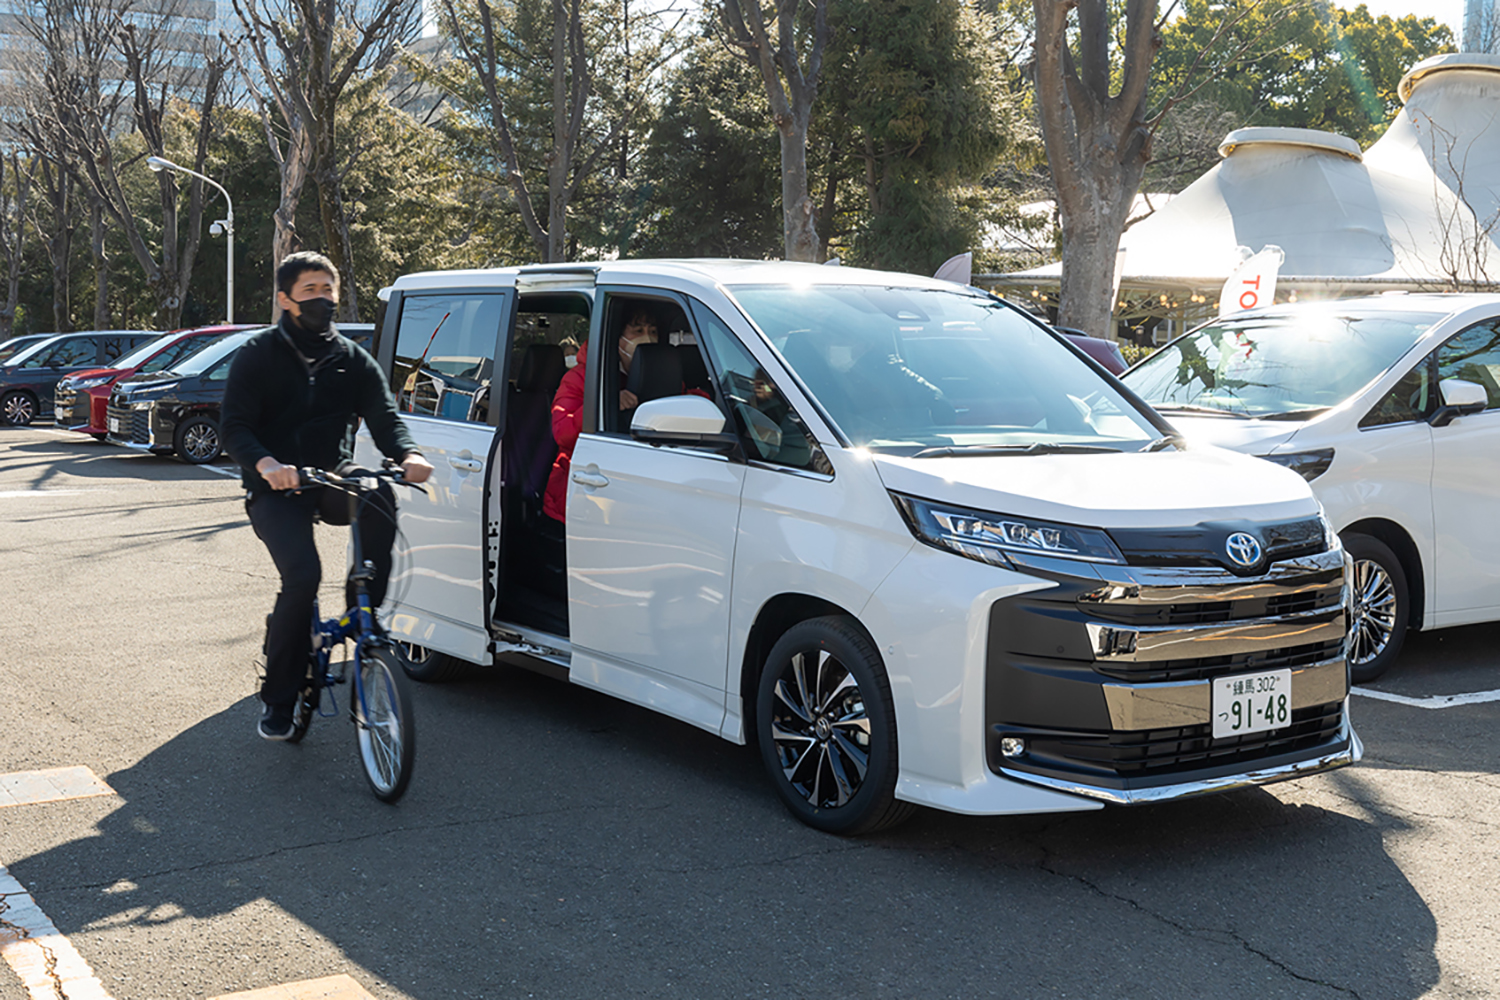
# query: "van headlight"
{"type": "Point", "coordinates": [988, 536]}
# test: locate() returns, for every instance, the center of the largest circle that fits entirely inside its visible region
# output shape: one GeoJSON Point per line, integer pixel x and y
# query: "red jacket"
{"type": "Point", "coordinates": [567, 423]}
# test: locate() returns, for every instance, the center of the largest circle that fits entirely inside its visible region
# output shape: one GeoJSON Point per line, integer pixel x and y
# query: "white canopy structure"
{"type": "Point", "coordinates": [1419, 209]}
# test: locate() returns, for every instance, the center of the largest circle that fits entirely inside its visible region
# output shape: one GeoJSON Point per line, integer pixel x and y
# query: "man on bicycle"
{"type": "Point", "coordinates": [294, 395]}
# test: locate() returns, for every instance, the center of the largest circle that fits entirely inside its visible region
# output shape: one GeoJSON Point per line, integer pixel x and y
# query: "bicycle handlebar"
{"type": "Point", "coordinates": [319, 477]}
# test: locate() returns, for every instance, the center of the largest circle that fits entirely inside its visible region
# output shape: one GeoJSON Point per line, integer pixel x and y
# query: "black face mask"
{"type": "Point", "coordinates": [316, 314]}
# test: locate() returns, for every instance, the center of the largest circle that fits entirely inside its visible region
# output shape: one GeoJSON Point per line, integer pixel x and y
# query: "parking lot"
{"type": "Point", "coordinates": [557, 843]}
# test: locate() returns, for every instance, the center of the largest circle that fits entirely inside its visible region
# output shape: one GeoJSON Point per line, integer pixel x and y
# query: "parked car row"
{"type": "Point", "coordinates": [157, 392]}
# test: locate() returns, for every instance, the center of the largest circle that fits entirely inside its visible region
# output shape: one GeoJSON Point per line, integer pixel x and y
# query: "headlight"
{"type": "Point", "coordinates": [88, 383]}
{"type": "Point", "coordinates": [987, 537]}
{"type": "Point", "coordinates": [1308, 464]}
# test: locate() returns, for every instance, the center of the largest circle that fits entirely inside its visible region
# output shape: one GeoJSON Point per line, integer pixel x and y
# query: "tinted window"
{"type": "Point", "coordinates": [1474, 356]}
{"type": "Point", "coordinates": [65, 354]}
{"type": "Point", "coordinates": [165, 359]}
{"type": "Point", "coordinates": [1411, 399]}
{"type": "Point", "coordinates": [445, 354]}
{"type": "Point", "coordinates": [1306, 360]}
{"type": "Point", "coordinates": [904, 370]}
{"type": "Point", "coordinates": [769, 427]}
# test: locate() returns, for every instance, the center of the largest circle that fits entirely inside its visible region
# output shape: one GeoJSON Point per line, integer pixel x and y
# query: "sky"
{"type": "Point", "coordinates": [1450, 12]}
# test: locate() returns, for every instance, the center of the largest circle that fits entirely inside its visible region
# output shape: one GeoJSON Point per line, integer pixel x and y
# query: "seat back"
{"type": "Point", "coordinates": [528, 449]}
{"type": "Point", "coordinates": [655, 372]}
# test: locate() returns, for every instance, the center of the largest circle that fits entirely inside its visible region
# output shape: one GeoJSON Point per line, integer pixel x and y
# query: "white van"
{"type": "Point", "coordinates": [896, 532]}
{"type": "Point", "coordinates": [1390, 406]}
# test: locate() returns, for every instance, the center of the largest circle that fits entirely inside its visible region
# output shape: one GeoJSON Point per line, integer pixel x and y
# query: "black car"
{"type": "Point", "coordinates": [177, 410]}
{"type": "Point", "coordinates": [29, 378]}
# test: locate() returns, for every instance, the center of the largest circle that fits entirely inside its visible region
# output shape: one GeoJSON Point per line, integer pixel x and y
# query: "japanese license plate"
{"type": "Point", "coordinates": [114, 425]}
{"type": "Point", "coordinates": [1252, 703]}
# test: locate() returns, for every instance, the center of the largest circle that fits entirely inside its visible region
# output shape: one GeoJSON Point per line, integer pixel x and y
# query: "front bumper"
{"type": "Point", "coordinates": [1106, 678]}
{"type": "Point", "coordinates": [134, 425]}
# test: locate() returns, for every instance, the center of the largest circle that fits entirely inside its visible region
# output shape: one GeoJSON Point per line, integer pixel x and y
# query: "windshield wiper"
{"type": "Point", "coordinates": [1170, 441]}
{"type": "Point", "coordinates": [1208, 411]}
{"type": "Point", "coordinates": [1304, 414]}
{"type": "Point", "coordinates": [1035, 448]}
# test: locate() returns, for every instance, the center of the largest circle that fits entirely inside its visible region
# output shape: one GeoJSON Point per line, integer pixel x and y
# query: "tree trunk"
{"type": "Point", "coordinates": [59, 188]}
{"type": "Point", "coordinates": [557, 158]}
{"type": "Point", "coordinates": [798, 218]}
{"type": "Point", "coordinates": [102, 318]}
{"type": "Point", "coordinates": [13, 220]}
{"type": "Point", "coordinates": [1098, 143]}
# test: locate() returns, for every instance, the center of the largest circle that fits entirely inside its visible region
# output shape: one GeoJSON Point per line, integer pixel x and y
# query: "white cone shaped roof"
{"type": "Point", "coordinates": [1400, 215]}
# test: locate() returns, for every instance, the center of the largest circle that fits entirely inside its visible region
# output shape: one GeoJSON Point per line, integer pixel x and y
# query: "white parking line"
{"type": "Point", "coordinates": [1432, 701]}
{"type": "Point", "coordinates": [10, 494]}
{"type": "Point", "coordinates": [30, 943]}
{"type": "Point", "coordinates": [328, 988]}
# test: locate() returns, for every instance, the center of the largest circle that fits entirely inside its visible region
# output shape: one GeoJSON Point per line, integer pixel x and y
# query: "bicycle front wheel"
{"type": "Point", "coordinates": [384, 725]}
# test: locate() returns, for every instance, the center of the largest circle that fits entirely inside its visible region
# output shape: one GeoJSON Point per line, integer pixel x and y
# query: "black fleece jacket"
{"type": "Point", "coordinates": [276, 404]}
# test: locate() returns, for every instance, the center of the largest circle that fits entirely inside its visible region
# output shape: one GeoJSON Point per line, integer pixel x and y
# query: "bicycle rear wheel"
{"type": "Point", "coordinates": [384, 726]}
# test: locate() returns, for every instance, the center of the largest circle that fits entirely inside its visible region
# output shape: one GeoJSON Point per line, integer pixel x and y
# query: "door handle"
{"type": "Point", "coordinates": [466, 464]}
{"type": "Point", "coordinates": [590, 479]}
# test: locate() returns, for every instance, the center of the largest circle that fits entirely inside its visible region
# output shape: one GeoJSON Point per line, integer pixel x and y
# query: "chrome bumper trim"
{"type": "Point", "coordinates": [1154, 643]}
{"type": "Point", "coordinates": [1134, 707]}
{"type": "Point", "coordinates": [1188, 789]}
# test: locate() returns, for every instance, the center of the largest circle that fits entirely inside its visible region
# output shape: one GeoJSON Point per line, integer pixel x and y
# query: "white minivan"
{"type": "Point", "coordinates": [1390, 406]}
{"type": "Point", "coordinates": [894, 531]}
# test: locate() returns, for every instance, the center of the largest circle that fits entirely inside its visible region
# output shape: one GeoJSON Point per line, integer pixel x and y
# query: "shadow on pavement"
{"type": "Point", "coordinates": [558, 843]}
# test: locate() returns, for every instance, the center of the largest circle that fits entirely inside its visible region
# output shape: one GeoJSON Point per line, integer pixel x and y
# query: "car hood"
{"type": "Point", "coordinates": [98, 373]}
{"type": "Point", "coordinates": [1255, 437]}
{"type": "Point", "coordinates": [1129, 490]}
{"type": "Point", "coordinates": [154, 380]}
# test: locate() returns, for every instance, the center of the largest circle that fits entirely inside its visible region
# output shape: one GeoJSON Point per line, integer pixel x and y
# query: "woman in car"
{"type": "Point", "coordinates": [567, 406]}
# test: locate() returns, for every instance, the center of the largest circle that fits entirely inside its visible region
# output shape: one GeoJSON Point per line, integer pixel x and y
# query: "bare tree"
{"type": "Point", "coordinates": [307, 51]}
{"type": "Point", "coordinates": [791, 87]}
{"type": "Point", "coordinates": [101, 59]}
{"type": "Point", "coordinates": [17, 173]}
{"type": "Point", "coordinates": [597, 90]}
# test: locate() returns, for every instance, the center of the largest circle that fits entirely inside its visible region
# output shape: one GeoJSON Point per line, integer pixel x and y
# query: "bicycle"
{"type": "Point", "coordinates": [380, 704]}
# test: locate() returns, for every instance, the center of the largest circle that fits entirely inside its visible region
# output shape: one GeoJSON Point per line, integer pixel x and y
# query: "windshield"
{"type": "Point", "coordinates": [29, 351]}
{"type": "Point", "coordinates": [911, 370]}
{"type": "Point", "coordinates": [1296, 363]}
{"type": "Point", "coordinates": [205, 358]}
{"type": "Point", "coordinates": [16, 345]}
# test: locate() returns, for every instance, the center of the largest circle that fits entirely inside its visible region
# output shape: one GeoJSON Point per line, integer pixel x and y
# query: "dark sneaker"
{"type": "Point", "coordinates": [275, 722]}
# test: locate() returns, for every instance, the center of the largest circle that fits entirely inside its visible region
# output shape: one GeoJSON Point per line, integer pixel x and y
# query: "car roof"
{"type": "Point", "coordinates": [726, 271]}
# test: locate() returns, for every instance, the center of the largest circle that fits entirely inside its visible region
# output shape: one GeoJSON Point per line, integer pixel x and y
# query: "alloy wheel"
{"type": "Point", "coordinates": [1374, 611]}
{"type": "Point", "coordinates": [19, 410]}
{"type": "Point", "coordinates": [201, 442]}
{"type": "Point", "coordinates": [820, 729]}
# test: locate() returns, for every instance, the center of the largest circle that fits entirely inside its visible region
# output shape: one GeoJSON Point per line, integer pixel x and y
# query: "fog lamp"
{"type": "Point", "coordinates": [1012, 746]}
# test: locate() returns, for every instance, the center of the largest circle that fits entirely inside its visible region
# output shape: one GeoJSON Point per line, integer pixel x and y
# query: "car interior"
{"type": "Point", "coordinates": [533, 551]}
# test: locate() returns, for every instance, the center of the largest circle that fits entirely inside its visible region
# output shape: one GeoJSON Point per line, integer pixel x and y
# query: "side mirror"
{"type": "Point", "coordinates": [1460, 399]}
{"type": "Point", "coordinates": [681, 420]}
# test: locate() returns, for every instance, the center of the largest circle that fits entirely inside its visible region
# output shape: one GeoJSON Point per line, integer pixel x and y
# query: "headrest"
{"type": "Point", "coordinates": [655, 372]}
{"type": "Point", "coordinates": [541, 368]}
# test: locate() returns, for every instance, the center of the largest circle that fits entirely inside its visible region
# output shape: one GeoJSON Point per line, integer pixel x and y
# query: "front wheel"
{"type": "Point", "coordinates": [384, 725]}
{"type": "Point", "coordinates": [197, 440]}
{"type": "Point", "coordinates": [827, 728]}
{"type": "Point", "coordinates": [18, 408]}
{"type": "Point", "coordinates": [1382, 608]}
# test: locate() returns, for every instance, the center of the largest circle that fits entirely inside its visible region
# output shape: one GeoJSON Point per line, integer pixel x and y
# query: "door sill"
{"type": "Point", "coordinates": [543, 652]}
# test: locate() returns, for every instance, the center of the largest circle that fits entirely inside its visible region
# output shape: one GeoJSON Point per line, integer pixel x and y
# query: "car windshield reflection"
{"type": "Point", "coordinates": [918, 370]}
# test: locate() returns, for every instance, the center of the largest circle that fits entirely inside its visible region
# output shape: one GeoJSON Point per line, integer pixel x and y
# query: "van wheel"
{"type": "Point", "coordinates": [827, 729]}
{"type": "Point", "coordinates": [197, 440]}
{"type": "Point", "coordinates": [428, 665]}
{"type": "Point", "coordinates": [1382, 608]}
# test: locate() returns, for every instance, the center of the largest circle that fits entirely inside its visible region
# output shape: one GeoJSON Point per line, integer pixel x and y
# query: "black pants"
{"type": "Point", "coordinates": [284, 522]}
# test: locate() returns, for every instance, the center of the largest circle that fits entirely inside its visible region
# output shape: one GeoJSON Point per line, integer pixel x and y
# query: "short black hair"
{"type": "Point", "coordinates": [294, 265]}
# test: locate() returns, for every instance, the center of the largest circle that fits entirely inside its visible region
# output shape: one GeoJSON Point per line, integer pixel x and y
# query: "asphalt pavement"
{"type": "Point", "coordinates": [556, 843]}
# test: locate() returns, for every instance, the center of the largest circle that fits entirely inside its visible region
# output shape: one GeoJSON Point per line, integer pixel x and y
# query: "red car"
{"type": "Point", "coordinates": [80, 400]}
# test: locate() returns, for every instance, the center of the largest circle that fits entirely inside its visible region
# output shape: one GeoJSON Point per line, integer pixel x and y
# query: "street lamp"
{"type": "Point", "coordinates": [224, 225]}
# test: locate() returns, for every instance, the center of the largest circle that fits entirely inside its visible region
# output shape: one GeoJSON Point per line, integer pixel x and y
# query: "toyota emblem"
{"type": "Point", "coordinates": [1243, 549]}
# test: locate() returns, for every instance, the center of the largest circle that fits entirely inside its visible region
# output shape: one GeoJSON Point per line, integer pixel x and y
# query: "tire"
{"type": "Point", "coordinates": [302, 713]}
{"type": "Point", "coordinates": [98, 437]}
{"type": "Point", "coordinates": [18, 408]}
{"type": "Point", "coordinates": [428, 665]}
{"type": "Point", "coordinates": [1382, 608]}
{"type": "Point", "coordinates": [385, 728]}
{"type": "Point", "coordinates": [197, 440]}
{"type": "Point", "coordinates": [827, 729]}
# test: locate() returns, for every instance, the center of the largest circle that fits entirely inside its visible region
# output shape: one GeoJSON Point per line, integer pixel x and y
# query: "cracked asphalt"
{"type": "Point", "coordinates": [556, 843]}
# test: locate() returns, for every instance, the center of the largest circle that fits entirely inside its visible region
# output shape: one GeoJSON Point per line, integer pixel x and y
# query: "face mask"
{"type": "Point", "coordinates": [571, 361]}
{"type": "Point", "coordinates": [627, 349]}
{"type": "Point", "coordinates": [316, 314]}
